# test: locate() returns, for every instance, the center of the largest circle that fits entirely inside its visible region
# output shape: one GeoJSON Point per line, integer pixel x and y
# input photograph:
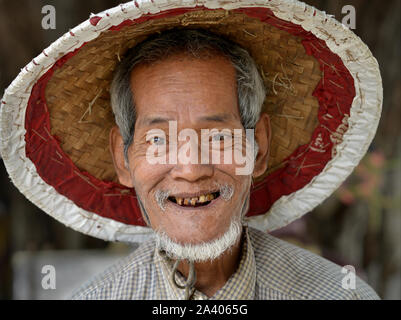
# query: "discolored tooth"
{"type": "Point", "coordinates": [179, 200]}
{"type": "Point", "coordinates": [209, 197]}
{"type": "Point", "coordinates": [193, 201]}
{"type": "Point", "coordinates": [186, 201]}
{"type": "Point", "coordinates": [202, 199]}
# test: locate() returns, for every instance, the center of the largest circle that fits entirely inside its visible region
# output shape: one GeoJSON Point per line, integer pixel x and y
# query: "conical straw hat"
{"type": "Point", "coordinates": [324, 101]}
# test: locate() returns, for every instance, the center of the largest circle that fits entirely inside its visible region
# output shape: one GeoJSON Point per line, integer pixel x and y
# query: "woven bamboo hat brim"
{"type": "Point", "coordinates": [324, 101]}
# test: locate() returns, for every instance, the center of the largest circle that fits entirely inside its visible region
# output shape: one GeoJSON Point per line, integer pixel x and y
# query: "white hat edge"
{"type": "Point", "coordinates": [285, 210]}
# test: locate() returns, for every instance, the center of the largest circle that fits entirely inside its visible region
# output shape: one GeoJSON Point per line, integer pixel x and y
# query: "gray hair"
{"type": "Point", "coordinates": [199, 44]}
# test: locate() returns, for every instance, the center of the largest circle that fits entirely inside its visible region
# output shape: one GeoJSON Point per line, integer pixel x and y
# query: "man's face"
{"type": "Point", "coordinates": [197, 94]}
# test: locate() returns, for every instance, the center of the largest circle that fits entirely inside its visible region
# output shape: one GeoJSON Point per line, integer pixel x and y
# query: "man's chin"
{"type": "Point", "coordinates": [202, 252]}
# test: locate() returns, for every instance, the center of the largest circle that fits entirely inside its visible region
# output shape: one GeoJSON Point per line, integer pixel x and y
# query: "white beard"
{"type": "Point", "coordinates": [205, 251]}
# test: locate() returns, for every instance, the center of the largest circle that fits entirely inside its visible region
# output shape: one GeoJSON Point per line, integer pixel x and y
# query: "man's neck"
{"type": "Point", "coordinates": [212, 275]}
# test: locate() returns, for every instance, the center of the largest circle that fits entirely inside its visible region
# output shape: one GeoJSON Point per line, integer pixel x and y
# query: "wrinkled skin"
{"type": "Point", "coordinates": [198, 94]}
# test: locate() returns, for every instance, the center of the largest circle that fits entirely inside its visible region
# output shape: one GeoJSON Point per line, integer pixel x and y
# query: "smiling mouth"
{"type": "Point", "coordinates": [200, 201]}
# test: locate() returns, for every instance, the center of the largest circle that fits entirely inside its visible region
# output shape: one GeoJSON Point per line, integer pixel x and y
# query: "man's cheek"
{"type": "Point", "coordinates": [228, 170]}
{"type": "Point", "coordinates": [141, 169]}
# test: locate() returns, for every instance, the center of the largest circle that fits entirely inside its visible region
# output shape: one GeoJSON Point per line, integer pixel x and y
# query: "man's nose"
{"type": "Point", "coordinates": [189, 165]}
{"type": "Point", "coordinates": [192, 172]}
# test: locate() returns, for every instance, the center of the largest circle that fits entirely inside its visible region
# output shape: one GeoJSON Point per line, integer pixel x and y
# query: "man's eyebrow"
{"type": "Point", "coordinates": [151, 120]}
{"type": "Point", "coordinates": [222, 117]}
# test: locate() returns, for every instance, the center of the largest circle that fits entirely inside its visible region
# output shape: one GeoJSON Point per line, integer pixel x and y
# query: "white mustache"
{"type": "Point", "coordinates": [161, 198]}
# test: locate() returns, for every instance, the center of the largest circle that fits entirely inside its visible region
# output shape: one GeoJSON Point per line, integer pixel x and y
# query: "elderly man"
{"type": "Point", "coordinates": [185, 82]}
{"type": "Point", "coordinates": [200, 81]}
{"type": "Point", "coordinates": [185, 76]}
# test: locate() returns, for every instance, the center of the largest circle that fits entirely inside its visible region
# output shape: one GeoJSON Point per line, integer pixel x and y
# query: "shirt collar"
{"type": "Point", "coordinates": [240, 286]}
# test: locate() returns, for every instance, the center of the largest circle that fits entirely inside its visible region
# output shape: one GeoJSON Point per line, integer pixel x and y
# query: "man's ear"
{"type": "Point", "coordinates": [117, 153]}
{"type": "Point", "coordinates": [262, 136]}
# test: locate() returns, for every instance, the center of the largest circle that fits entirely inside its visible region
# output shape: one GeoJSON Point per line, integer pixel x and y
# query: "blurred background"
{"type": "Point", "coordinates": [359, 225]}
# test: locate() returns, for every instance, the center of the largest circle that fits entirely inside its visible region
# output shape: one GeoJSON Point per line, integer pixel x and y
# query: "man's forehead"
{"type": "Point", "coordinates": [191, 90]}
{"type": "Point", "coordinates": [184, 75]}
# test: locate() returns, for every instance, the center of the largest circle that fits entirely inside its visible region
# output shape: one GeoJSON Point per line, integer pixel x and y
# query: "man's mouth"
{"type": "Point", "coordinates": [198, 201]}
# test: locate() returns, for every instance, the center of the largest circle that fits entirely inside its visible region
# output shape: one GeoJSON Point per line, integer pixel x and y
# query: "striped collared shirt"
{"type": "Point", "coordinates": [269, 269]}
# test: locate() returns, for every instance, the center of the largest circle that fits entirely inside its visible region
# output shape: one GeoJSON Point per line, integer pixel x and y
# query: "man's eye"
{"type": "Point", "coordinates": [220, 137]}
{"type": "Point", "coordinates": [157, 140]}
